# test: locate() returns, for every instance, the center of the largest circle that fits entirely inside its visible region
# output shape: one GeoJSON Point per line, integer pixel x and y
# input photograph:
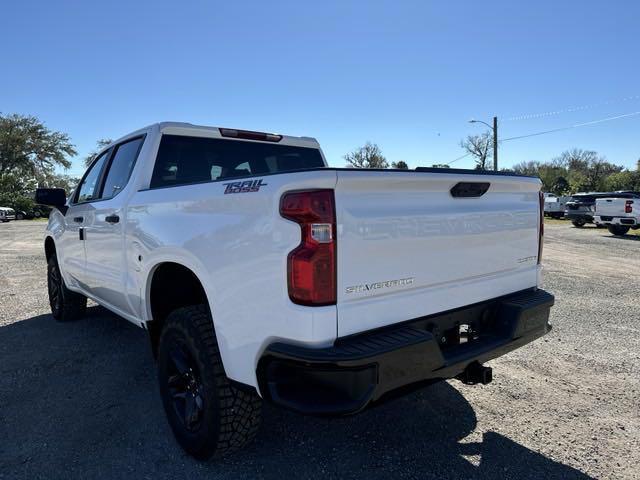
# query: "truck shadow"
{"type": "Point", "coordinates": [79, 400]}
{"type": "Point", "coordinates": [633, 238]}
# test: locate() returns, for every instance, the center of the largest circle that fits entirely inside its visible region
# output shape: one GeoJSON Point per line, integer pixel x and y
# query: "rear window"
{"type": "Point", "coordinates": [583, 199]}
{"type": "Point", "coordinates": [183, 160]}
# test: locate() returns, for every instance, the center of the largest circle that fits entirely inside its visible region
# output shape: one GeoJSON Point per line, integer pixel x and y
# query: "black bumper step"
{"type": "Point", "coordinates": [357, 370]}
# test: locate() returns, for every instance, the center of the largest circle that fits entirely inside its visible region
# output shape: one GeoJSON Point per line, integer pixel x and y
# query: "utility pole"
{"type": "Point", "coordinates": [495, 143]}
{"type": "Point", "coordinates": [495, 139]}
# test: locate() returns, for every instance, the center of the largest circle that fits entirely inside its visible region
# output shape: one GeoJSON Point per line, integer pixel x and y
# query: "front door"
{"type": "Point", "coordinates": [106, 269]}
{"type": "Point", "coordinates": [72, 245]}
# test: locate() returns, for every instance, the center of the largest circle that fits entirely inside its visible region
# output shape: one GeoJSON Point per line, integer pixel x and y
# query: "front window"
{"type": "Point", "coordinates": [88, 188]}
{"type": "Point", "coordinates": [121, 167]}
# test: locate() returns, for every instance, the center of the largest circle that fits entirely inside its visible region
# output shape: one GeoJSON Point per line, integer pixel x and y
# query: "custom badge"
{"type": "Point", "coordinates": [243, 187]}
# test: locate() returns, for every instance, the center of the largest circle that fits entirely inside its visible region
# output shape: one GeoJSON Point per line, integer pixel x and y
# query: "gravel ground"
{"type": "Point", "coordinates": [79, 400]}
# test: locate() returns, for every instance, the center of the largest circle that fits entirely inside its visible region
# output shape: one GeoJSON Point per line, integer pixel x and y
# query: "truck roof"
{"type": "Point", "coordinates": [184, 128]}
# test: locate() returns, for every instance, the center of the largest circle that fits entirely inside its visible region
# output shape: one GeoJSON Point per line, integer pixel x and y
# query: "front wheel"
{"type": "Point", "coordinates": [208, 414]}
{"type": "Point", "coordinates": [617, 230]}
{"type": "Point", "coordinates": [578, 223]}
{"type": "Point", "coordinates": [65, 304]}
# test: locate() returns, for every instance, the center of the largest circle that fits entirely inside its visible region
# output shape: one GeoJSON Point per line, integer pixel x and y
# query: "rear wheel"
{"type": "Point", "coordinates": [65, 304]}
{"type": "Point", "coordinates": [617, 230]}
{"type": "Point", "coordinates": [208, 414]}
{"type": "Point", "coordinates": [578, 223]}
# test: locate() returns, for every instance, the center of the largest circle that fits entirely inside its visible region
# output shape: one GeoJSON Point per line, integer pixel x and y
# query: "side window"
{"type": "Point", "coordinates": [88, 188]}
{"type": "Point", "coordinates": [121, 166]}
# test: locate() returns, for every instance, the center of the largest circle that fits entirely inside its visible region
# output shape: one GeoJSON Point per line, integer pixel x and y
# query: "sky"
{"type": "Point", "coordinates": [405, 75]}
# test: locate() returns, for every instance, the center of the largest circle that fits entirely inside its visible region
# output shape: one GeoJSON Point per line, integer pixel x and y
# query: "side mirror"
{"type": "Point", "coordinates": [54, 197]}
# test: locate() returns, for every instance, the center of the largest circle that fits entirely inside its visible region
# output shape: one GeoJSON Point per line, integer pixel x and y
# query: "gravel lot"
{"type": "Point", "coordinates": [80, 400]}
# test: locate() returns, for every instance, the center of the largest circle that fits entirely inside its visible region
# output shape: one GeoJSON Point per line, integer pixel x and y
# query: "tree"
{"type": "Point", "coordinates": [531, 168]}
{"type": "Point", "coordinates": [61, 181]}
{"type": "Point", "coordinates": [29, 148]}
{"type": "Point", "coordinates": [17, 191]}
{"type": "Point", "coordinates": [400, 164]}
{"type": "Point", "coordinates": [576, 171]}
{"type": "Point", "coordinates": [368, 156]}
{"type": "Point", "coordinates": [560, 186]}
{"type": "Point", "coordinates": [440, 165]}
{"type": "Point", "coordinates": [587, 169]}
{"type": "Point", "coordinates": [626, 180]}
{"type": "Point", "coordinates": [100, 144]}
{"type": "Point", "coordinates": [480, 147]}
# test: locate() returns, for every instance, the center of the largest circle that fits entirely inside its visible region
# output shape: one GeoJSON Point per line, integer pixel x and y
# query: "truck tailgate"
{"type": "Point", "coordinates": [408, 248]}
{"type": "Point", "coordinates": [612, 207]}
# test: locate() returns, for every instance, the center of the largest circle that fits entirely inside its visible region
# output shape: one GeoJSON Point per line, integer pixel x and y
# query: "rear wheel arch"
{"type": "Point", "coordinates": [170, 286]}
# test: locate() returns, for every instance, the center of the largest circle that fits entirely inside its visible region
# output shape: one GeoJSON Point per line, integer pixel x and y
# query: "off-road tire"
{"type": "Point", "coordinates": [229, 416]}
{"type": "Point", "coordinates": [617, 230]}
{"type": "Point", "coordinates": [65, 304]}
{"type": "Point", "coordinates": [578, 223]}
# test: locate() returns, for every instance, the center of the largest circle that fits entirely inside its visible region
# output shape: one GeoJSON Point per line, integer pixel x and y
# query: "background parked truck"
{"type": "Point", "coordinates": [618, 214]}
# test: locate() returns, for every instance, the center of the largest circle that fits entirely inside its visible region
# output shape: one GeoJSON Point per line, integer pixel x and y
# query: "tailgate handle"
{"type": "Point", "coordinates": [469, 189]}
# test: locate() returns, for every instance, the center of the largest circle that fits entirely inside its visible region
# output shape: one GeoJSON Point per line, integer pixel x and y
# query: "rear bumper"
{"type": "Point", "coordinates": [360, 369]}
{"type": "Point", "coordinates": [578, 216]}
{"type": "Point", "coordinates": [608, 220]}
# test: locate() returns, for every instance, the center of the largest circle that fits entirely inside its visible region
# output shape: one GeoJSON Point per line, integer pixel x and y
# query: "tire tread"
{"type": "Point", "coordinates": [239, 410]}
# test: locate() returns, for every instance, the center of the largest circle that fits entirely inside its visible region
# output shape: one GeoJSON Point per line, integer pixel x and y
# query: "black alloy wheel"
{"type": "Point", "coordinates": [185, 387]}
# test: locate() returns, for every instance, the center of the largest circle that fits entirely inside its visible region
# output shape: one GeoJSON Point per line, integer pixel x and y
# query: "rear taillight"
{"type": "Point", "coordinates": [628, 208]}
{"type": "Point", "coordinates": [540, 227]}
{"type": "Point", "coordinates": [311, 266]}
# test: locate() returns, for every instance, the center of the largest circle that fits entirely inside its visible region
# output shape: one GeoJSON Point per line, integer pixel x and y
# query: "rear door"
{"type": "Point", "coordinates": [105, 269]}
{"type": "Point", "coordinates": [407, 247]}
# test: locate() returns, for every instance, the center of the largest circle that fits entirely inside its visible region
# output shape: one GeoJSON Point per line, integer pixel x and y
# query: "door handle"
{"type": "Point", "coordinates": [112, 218]}
{"type": "Point", "coordinates": [78, 219]}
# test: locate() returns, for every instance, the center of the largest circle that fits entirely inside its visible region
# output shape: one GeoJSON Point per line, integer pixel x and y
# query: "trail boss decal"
{"type": "Point", "coordinates": [402, 282]}
{"type": "Point", "coordinates": [243, 187]}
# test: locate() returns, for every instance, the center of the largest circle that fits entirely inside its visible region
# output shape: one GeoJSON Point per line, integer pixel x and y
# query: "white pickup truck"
{"type": "Point", "coordinates": [554, 206]}
{"type": "Point", "coordinates": [262, 274]}
{"type": "Point", "coordinates": [618, 214]}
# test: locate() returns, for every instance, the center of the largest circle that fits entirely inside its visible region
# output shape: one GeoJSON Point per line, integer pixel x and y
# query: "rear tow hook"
{"type": "Point", "coordinates": [476, 373]}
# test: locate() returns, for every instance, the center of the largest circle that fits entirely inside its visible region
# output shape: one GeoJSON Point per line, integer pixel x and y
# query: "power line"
{"type": "Point", "coordinates": [544, 132]}
{"type": "Point", "coordinates": [584, 124]}
{"type": "Point", "coordinates": [459, 158]}
{"type": "Point", "coordinates": [570, 109]}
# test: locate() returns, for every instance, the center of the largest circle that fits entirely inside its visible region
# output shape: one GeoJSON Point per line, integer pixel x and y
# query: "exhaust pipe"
{"type": "Point", "coordinates": [476, 373]}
